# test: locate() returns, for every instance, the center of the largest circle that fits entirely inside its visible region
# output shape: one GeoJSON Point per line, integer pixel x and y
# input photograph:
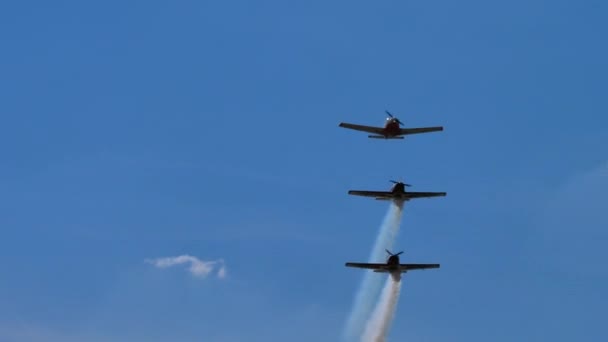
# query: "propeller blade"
{"type": "Point", "coordinates": [399, 253]}
{"type": "Point", "coordinates": [387, 251]}
{"type": "Point", "coordinates": [393, 117]}
{"type": "Point", "coordinates": [396, 182]}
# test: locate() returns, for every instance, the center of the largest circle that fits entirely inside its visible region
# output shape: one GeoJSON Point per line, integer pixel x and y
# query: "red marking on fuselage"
{"type": "Point", "coordinates": [391, 128]}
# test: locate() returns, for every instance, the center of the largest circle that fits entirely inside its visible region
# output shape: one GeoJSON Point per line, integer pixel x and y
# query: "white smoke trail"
{"type": "Point", "coordinates": [379, 324]}
{"type": "Point", "coordinates": [372, 282]}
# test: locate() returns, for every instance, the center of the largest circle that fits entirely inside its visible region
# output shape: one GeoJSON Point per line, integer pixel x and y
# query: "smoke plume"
{"type": "Point", "coordinates": [379, 324]}
{"type": "Point", "coordinates": [371, 284]}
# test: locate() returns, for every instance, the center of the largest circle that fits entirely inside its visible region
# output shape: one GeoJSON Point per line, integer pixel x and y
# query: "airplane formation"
{"type": "Point", "coordinates": [392, 130]}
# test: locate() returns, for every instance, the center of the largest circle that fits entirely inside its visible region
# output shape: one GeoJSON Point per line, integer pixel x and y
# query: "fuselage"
{"type": "Point", "coordinates": [398, 188]}
{"type": "Point", "coordinates": [391, 127]}
{"type": "Point", "coordinates": [399, 194]}
{"type": "Point", "coordinates": [393, 261]}
{"type": "Point", "coordinates": [394, 271]}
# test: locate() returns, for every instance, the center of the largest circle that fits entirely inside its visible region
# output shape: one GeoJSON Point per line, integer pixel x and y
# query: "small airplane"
{"type": "Point", "coordinates": [392, 266]}
{"type": "Point", "coordinates": [397, 193]}
{"type": "Point", "coordinates": [391, 129]}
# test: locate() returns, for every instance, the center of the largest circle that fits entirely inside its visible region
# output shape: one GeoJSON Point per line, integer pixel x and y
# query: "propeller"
{"type": "Point", "coordinates": [396, 182]}
{"type": "Point", "coordinates": [391, 254]}
{"type": "Point", "coordinates": [392, 117]}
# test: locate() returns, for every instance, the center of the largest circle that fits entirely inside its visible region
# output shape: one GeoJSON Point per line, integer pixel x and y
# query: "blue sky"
{"type": "Point", "coordinates": [143, 129]}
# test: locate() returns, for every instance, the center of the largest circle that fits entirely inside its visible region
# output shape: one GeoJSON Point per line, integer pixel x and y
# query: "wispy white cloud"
{"type": "Point", "coordinates": [221, 273]}
{"type": "Point", "coordinates": [198, 268]}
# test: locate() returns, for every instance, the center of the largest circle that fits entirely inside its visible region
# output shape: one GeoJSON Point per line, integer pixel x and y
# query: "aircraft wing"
{"type": "Point", "coordinates": [377, 194]}
{"type": "Point", "coordinates": [367, 266]}
{"type": "Point", "coordinates": [368, 129]}
{"type": "Point", "coordinates": [424, 194]}
{"type": "Point", "coordinates": [409, 267]}
{"type": "Point", "coordinates": [406, 131]}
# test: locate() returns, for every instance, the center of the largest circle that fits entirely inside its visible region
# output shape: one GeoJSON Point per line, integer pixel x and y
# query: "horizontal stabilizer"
{"type": "Point", "coordinates": [382, 137]}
